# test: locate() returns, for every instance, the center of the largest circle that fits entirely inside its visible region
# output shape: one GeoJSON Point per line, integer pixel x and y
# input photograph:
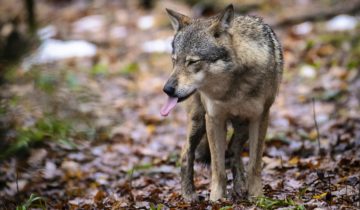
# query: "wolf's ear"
{"type": "Point", "coordinates": [226, 17]}
{"type": "Point", "coordinates": [178, 21]}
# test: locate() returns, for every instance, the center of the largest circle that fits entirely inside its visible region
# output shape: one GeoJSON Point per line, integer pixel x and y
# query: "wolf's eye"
{"type": "Point", "coordinates": [191, 62]}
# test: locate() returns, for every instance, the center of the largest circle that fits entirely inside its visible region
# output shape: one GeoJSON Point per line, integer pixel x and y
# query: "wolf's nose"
{"type": "Point", "coordinates": [170, 90]}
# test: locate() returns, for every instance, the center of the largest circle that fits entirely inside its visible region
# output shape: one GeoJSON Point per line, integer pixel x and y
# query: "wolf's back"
{"type": "Point", "coordinates": [257, 47]}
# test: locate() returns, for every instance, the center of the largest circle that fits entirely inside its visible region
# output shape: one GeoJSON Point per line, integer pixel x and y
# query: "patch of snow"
{"type": "Point", "coordinates": [89, 24]}
{"type": "Point", "coordinates": [47, 32]}
{"type": "Point", "coordinates": [54, 50]}
{"type": "Point", "coordinates": [307, 72]}
{"type": "Point", "coordinates": [50, 170]}
{"type": "Point", "coordinates": [158, 45]}
{"type": "Point", "coordinates": [118, 32]}
{"type": "Point", "coordinates": [303, 28]}
{"type": "Point", "coordinates": [146, 22]}
{"type": "Point", "coordinates": [341, 23]}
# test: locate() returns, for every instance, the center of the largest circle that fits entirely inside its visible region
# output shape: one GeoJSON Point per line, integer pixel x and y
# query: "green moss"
{"type": "Point", "coordinates": [269, 203]}
{"type": "Point", "coordinates": [99, 69]}
{"type": "Point", "coordinates": [130, 69]}
{"type": "Point", "coordinates": [45, 128]}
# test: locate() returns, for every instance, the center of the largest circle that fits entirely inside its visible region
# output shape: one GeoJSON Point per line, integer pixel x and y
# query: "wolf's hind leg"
{"type": "Point", "coordinates": [237, 141]}
{"type": "Point", "coordinates": [257, 132]}
{"type": "Point", "coordinates": [202, 153]}
{"type": "Point", "coordinates": [195, 132]}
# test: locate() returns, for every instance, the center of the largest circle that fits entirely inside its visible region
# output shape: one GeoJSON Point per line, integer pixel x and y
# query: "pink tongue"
{"type": "Point", "coordinates": [170, 104]}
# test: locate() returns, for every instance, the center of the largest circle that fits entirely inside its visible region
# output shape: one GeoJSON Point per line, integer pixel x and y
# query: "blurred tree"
{"type": "Point", "coordinates": [147, 4]}
{"type": "Point", "coordinates": [31, 20]}
{"type": "Point", "coordinates": [14, 43]}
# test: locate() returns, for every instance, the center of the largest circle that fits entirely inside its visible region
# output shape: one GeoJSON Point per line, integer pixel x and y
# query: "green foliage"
{"type": "Point", "coordinates": [9, 73]}
{"type": "Point", "coordinates": [226, 208]}
{"type": "Point", "coordinates": [57, 94]}
{"type": "Point", "coordinates": [144, 166]}
{"type": "Point", "coordinates": [338, 40]}
{"type": "Point", "coordinates": [309, 44]}
{"type": "Point", "coordinates": [46, 82]}
{"type": "Point", "coordinates": [33, 202]}
{"type": "Point", "coordinates": [174, 158]}
{"type": "Point", "coordinates": [72, 80]}
{"type": "Point", "coordinates": [52, 81]}
{"type": "Point", "coordinates": [3, 110]}
{"type": "Point", "coordinates": [99, 69]}
{"type": "Point", "coordinates": [130, 69]}
{"type": "Point", "coordinates": [140, 167]}
{"type": "Point", "coordinates": [156, 207]}
{"type": "Point", "coordinates": [47, 127]}
{"type": "Point", "coordinates": [269, 203]}
{"type": "Point", "coordinates": [302, 192]}
{"type": "Point", "coordinates": [230, 132]}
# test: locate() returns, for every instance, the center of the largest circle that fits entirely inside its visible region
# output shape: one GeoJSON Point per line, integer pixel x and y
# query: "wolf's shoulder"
{"type": "Point", "coordinates": [248, 20]}
{"type": "Point", "coordinates": [251, 27]}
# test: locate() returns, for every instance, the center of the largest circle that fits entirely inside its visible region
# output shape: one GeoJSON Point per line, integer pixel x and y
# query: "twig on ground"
{"type": "Point", "coordinates": [316, 126]}
{"type": "Point", "coordinates": [132, 197]}
{"type": "Point", "coordinates": [359, 190]}
{"type": "Point", "coordinates": [17, 181]}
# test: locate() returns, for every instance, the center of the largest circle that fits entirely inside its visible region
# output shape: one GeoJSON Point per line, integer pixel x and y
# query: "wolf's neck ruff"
{"type": "Point", "coordinates": [170, 104]}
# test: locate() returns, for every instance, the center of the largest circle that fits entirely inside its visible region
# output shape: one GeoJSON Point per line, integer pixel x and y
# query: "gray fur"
{"type": "Point", "coordinates": [229, 67]}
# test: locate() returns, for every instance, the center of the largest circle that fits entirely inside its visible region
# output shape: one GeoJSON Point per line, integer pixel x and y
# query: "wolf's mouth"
{"type": "Point", "coordinates": [171, 103]}
{"type": "Point", "coordinates": [186, 97]}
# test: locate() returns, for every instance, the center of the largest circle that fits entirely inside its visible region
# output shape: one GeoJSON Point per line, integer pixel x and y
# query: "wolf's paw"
{"type": "Point", "coordinates": [190, 197]}
{"type": "Point", "coordinates": [239, 190]}
{"type": "Point", "coordinates": [255, 190]}
{"type": "Point", "coordinates": [217, 195]}
{"type": "Point", "coordinates": [239, 194]}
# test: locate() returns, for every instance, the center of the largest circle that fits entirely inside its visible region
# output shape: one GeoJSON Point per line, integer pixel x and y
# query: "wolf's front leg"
{"type": "Point", "coordinates": [196, 130]}
{"type": "Point", "coordinates": [257, 132]}
{"type": "Point", "coordinates": [216, 133]}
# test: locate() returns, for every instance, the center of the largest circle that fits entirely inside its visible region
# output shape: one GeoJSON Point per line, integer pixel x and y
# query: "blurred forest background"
{"type": "Point", "coordinates": [81, 89]}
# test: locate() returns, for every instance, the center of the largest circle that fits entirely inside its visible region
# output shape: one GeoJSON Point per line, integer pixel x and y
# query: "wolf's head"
{"type": "Point", "coordinates": [201, 50]}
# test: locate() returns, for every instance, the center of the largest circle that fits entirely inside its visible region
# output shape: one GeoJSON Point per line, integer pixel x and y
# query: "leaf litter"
{"type": "Point", "coordinates": [115, 151]}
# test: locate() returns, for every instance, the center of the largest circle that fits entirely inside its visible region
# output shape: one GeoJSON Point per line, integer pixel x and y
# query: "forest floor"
{"type": "Point", "coordinates": [86, 133]}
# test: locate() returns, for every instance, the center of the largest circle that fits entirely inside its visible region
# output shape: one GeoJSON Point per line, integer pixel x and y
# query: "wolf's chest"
{"type": "Point", "coordinates": [245, 108]}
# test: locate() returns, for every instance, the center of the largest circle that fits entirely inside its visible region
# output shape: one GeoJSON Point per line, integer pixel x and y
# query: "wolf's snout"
{"type": "Point", "coordinates": [169, 89]}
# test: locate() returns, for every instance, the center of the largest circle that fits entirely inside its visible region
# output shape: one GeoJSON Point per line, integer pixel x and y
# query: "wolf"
{"type": "Point", "coordinates": [228, 69]}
